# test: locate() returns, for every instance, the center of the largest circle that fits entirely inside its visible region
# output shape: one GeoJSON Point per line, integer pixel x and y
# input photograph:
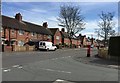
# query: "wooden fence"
{"type": "Point", "coordinates": [6, 48]}
{"type": "Point", "coordinates": [24, 48]}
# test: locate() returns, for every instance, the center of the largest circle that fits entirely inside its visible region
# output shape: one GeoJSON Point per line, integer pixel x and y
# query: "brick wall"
{"type": "Point", "coordinates": [14, 34]}
{"type": "Point", "coordinates": [67, 41]}
{"type": "Point", "coordinates": [57, 37]}
{"type": "Point", "coordinates": [76, 42]}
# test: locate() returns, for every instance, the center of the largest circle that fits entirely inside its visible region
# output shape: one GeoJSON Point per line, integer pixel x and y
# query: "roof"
{"type": "Point", "coordinates": [53, 30]}
{"type": "Point", "coordinates": [66, 35]}
{"type": "Point", "coordinates": [26, 26]}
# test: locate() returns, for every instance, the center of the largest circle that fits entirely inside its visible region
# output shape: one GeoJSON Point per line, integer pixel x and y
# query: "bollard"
{"type": "Point", "coordinates": [88, 51]}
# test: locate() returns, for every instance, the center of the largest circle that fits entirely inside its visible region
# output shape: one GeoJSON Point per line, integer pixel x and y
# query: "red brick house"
{"type": "Point", "coordinates": [56, 37]}
{"type": "Point", "coordinates": [87, 41]}
{"type": "Point", "coordinates": [17, 32]}
{"type": "Point", "coordinates": [66, 40]}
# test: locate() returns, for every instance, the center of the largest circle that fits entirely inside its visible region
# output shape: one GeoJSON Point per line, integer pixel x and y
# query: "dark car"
{"type": "Point", "coordinates": [32, 43]}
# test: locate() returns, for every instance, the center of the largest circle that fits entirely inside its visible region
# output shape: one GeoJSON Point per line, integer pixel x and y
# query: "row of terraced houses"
{"type": "Point", "coordinates": [16, 32]}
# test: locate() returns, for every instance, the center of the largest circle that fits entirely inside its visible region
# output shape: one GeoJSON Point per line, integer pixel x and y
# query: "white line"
{"type": "Point", "coordinates": [15, 66]}
{"type": "Point", "coordinates": [56, 70]}
{"type": "Point", "coordinates": [20, 67]}
{"type": "Point", "coordinates": [59, 80]}
{"type": "Point", "coordinates": [6, 70]}
{"type": "Point", "coordinates": [116, 66]}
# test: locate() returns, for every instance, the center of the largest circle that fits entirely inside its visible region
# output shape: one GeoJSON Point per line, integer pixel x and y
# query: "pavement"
{"type": "Point", "coordinates": [98, 61]}
{"type": "Point", "coordinates": [95, 60]}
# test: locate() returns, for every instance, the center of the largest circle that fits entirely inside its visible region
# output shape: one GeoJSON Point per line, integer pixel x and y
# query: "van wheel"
{"type": "Point", "coordinates": [47, 49]}
{"type": "Point", "coordinates": [55, 49]}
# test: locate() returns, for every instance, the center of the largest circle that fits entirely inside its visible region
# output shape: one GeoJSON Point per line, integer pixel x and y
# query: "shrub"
{"type": "Point", "coordinates": [103, 53]}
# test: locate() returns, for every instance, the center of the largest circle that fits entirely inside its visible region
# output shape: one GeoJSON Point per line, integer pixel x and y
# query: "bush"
{"type": "Point", "coordinates": [103, 53]}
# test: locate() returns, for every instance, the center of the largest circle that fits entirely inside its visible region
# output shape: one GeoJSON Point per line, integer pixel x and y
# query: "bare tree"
{"type": "Point", "coordinates": [97, 31]}
{"type": "Point", "coordinates": [70, 18]}
{"type": "Point", "coordinates": [106, 26]}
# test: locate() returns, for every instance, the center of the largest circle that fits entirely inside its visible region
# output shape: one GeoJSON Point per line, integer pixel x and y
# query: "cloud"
{"type": "Point", "coordinates": [38, 10]}
{"type": "Point", "coordinates": [91, 24]}
{"type": "Point", "coordinates": [53, 18]}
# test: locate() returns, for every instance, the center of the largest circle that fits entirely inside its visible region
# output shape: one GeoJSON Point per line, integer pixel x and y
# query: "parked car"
{"type": "Point", "coordinates": [45, 45]}
{"type": "Point", "coordinates": [31, 43]}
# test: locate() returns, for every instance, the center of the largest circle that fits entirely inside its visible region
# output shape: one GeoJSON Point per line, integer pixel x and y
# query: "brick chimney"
{"type": "Point", "coordinates": [18, 17]}
{"type": "Point", "coordinates": [80, 35]}
{"type": "Point", "coordinates": [63, 30]}
{"type": "Point", "coordinates": [45, 25]}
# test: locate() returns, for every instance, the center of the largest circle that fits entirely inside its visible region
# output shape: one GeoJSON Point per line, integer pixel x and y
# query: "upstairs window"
{"type": "Point", "coordinates": [57, 37]}
{"type": "Point", "coordinates": [21, 32]}
{"type": "Point", "coordinates": [49, 37]}
{"type": "Point", "coordinates": [1, 29]}
{"type": "Point", "coordinates": [33, 34]}
{"type": "Point", "coordinates": [12, 31]}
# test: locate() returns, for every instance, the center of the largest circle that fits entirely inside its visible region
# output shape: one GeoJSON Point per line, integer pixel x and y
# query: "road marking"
{"type": "Point", "coordinates": [56, 70]}
{"type": "Point", "coordinates": [20, 67]}
{"type": "Point", "coordinates": [59, 80]}
{"type": "Point", "coordinates": [61, 57]}
{"type": "Point", "coordinates": [62, 81]}
{"type": "Point", "coordinates": [6, 70]}
{"type": "Point", "coordinates": [115, 66]}
{"type": "Point", "coordinates": [15, 66]}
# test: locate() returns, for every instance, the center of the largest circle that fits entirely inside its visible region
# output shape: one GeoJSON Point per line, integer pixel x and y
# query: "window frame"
{"type": "Point", "coordinates": [21, 32]}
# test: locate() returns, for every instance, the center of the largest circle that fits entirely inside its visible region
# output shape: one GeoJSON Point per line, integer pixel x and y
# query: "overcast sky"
{"type": "Point", "coordinates": [39, 12]}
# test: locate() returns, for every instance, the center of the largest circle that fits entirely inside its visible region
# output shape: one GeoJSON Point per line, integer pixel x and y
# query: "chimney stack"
{"type": "Point", "coordinates": [18, 17]}
{"type": "Point", "coordinates": [80, 35]}
{"type": "Point", "coordinates": [45, 24]}
{"type": "Point", "coordinates": [63, 30]}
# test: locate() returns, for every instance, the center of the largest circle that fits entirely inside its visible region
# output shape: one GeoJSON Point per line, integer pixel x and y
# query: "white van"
{"type": "Point", "coordinates": [45, 45]}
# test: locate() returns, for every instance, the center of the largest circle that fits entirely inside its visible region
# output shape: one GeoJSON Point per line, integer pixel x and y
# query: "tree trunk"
{"type": "Point", "coordinates": [70, 42]}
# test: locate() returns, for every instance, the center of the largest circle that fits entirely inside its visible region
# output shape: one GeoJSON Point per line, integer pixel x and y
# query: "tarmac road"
{"type": "Point", "coordinates": [53, 65]}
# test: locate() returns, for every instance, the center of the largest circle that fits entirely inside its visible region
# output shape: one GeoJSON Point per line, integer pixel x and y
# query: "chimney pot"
{"type": "Point", "coordinates": [18, 17]}
{"type": "Point", "coordinates": [63, 30]}
{"type": "Point", "coordinates": [45, 24]}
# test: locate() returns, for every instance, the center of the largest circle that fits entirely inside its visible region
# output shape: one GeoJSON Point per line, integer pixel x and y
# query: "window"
{"type": "Point", "coordinates": [49, 37]}
{"type": "Point", "coordinates": [41, 43]}
{"type": "Point", "coordinates": [20, 43]}
{"type": "Point", "coordinates": [12, 31]}
{"type": "Point", "coordinates": [33, 34]}
{"type": "Point", "coordinates": [21, 32]}
{"type": "Point", "coordinates": [1, 29]}
{"type": "Point", "coordinates": [57, 37]}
